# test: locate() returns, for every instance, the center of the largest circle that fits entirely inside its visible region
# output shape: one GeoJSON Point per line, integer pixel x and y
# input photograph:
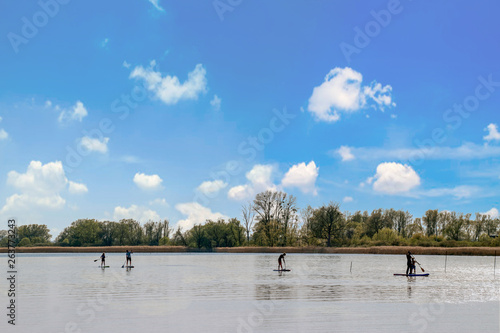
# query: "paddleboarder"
{"type": "Point", "coordinates": [128, 254]}
{"type": "Point", "coordinates": [281, 258]}
{"type": "Point", "coordinates": [413, 270]}
{"type": "Point", "coordinates": [408, 262]}
{"type": "Point", "coordinates": [103, 259]}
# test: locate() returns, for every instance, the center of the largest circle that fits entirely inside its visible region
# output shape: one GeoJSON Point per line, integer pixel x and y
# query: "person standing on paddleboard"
{"type": "Point", "coordinates": [282, 257]}
{"type": "Point", "coordinates": [103, 259]}
{"type": "Point", "coordinates": [408, 262]}
{"type": "Point", "coordinates": [128, 254]}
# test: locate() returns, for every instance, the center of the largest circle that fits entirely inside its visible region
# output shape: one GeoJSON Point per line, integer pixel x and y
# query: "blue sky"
{"type": "Point", "coordinates": [186, 109]}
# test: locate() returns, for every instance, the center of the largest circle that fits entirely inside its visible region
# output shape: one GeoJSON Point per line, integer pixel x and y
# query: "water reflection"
{"type": "Point", "coordinates": [217, 289]}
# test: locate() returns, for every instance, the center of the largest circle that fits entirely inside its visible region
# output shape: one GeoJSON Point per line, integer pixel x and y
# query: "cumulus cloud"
{"type": "Point", "coordinates": [345, 153]}
{"type": "Point", "coordinates": [169, 89]}
{"type": "Point", "coordinates": [303, 177]}
{"type": "Point", "coordinates": [147, 182]}
{"type": "Point", "coordinates": [91, 144]}
{"type": "Point", "coordinates": [492, 213]}
{"type": "Point", "coordinates": [196, 214]}
{"type": "Point", "coordinates": [493, 134]}
{"type": "Point", "coordinates": [141, 214]}
{"type": "Point", "coordinates": [39, 187]}
{"type": "Point", "coordinates": [211, 187]}
{"type": "Point", "coordinates": [126, 64]}
{"type": "Point", "coordinates": [260, 179]}
{"type": "Point", "coordinates": [216, 102]}
{"type": "Point", "coordinates": [77, 188]}
{"type": "Point", "coordinates": [77, 112]}
{"type": "Point", "coordinates": [394, 178]}
{"type": "Point", "coordinates": [343, 92]}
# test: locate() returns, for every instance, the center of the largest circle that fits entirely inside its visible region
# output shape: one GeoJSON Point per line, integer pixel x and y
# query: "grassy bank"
{"type": "Point", "coordinates": [466, 251]}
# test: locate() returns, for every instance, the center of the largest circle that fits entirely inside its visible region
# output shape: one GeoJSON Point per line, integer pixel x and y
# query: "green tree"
{"type": "Point", "coordinates": [328, 223]}
{"type": "Point", "coordinates": [36, 233]}
{"type": "Point", "coordinates": [430, 221]}
{"type": "Point", "coordinates": [83, 232]}
{"type": "Point", "coordinates": [454, 229]}
{"type": "Point", "coordinates": [24, 242]}
{"type": "Point", "coordinates": [263, 229]}
{"type": "Point", "coordinates": [375, 222]}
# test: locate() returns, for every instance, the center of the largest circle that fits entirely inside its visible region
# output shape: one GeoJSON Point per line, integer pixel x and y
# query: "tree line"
{"type": "Point", "coordinates": [273, 219]}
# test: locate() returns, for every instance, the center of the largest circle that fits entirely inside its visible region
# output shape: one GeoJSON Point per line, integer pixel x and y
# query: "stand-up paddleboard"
{"type": "Point", "coordinates": [281, 270]}
{"type": "Point", "coordinates": [103, 266]}
{"type": "Point", "coordinates": [129, 266]}
{"type": "Point", "coordinates": [424, 274]}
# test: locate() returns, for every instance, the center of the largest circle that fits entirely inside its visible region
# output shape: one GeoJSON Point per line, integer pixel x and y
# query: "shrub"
{"type": "Point", "coordinates": [24, 242]}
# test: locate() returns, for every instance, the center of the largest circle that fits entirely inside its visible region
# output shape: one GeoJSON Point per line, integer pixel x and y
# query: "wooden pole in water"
{"type": "Point", "coordinates": [445, 260]}
{"type": "Point", "coordinates": [350, 269]}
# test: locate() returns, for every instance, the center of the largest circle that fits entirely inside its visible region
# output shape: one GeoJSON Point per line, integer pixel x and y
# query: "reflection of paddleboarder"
{"type": "Point", "coordinates": [282, 257]}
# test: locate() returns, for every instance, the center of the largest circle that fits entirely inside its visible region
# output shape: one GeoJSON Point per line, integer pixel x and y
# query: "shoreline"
{"type": "Point", "coordinates": [463, 251]}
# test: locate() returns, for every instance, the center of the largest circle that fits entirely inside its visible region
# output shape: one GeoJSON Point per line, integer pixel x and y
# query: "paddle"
{"type": "Point", "coordinates": [124, 263]}
{"type": "Point", "coordinates": [423, 271]}
{"type": "Point", "coordinates": [96, 259]}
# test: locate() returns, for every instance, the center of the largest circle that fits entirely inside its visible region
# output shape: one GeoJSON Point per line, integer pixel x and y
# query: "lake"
{"type": "Point", "coordinates": [210, 292]}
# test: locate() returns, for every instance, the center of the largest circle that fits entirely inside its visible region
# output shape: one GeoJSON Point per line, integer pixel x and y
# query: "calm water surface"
{"type": "Point", "coordinates": [241, 293]}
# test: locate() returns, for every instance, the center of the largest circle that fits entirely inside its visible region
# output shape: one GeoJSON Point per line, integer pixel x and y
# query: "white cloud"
{"type": "Point", "coordinates": [216, 102]}
{"type": "Point", "coordinates": [157, 5]}
{"type": "Point", "coordinates": [492, 213]}
{"type": "Point", "coordinates": [169, 89]}
{"type": "Point", "coordinates": [141, 214]}
{"type": "Point", "coordinates": [493, 134]}
{"type": "Point", "coordinates": [48, 104]}
{"type": "Point", "coordinates": [342, 92]}
{"type": "Point", "coordinates": [105, 42]}
{"type": "Point", "coordinates": [39, 187]}
{"type": "Point", "coordinates": [345, 153]}
{"type": "Point", "coordinates": [210, 187]}
{"type": "Point", "coordinates": [467, 151]}
{"type": "Point", "coordinates": [100, 146]}
{"type": "Point", "coordinates": [147, 182]}
{"type": "Point", "coordinates": [126, 64]}
{"type": "Point", "coordinates": [196, 214]}
{"type": "Point", "coordinates": [459, 192]}
{"type": "Point", "coordinates": [77, 188]}
{"type": "Point", "coordinates": [240, 192]}
{"type": "Point", "coordinates": [260, 179]}
{"type": "Point", "coordinates": [394, 178]}
{"type": "Point", "coordinates": [130, 159]}
{"type": "Point", "coordinates": [159, 202]}
{"type": "Point", "coordinates": [303, 177]}
{"type": "Point", "coordinates": [3, 135]}
{"type": "Point", "coordinates": [378, 94]}
{"type": "Point", "coordinates": [78, 112]}
{"type": "Point", "coordinates": [347, 199]}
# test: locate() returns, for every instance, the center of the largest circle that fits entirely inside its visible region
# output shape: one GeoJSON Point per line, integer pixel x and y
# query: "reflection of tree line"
{"type": "Point", "coordinates": [273, 219]}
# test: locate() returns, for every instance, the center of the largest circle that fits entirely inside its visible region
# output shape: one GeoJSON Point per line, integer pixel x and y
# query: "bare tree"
{"type": "Point", "coordinates": [248, 215]}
